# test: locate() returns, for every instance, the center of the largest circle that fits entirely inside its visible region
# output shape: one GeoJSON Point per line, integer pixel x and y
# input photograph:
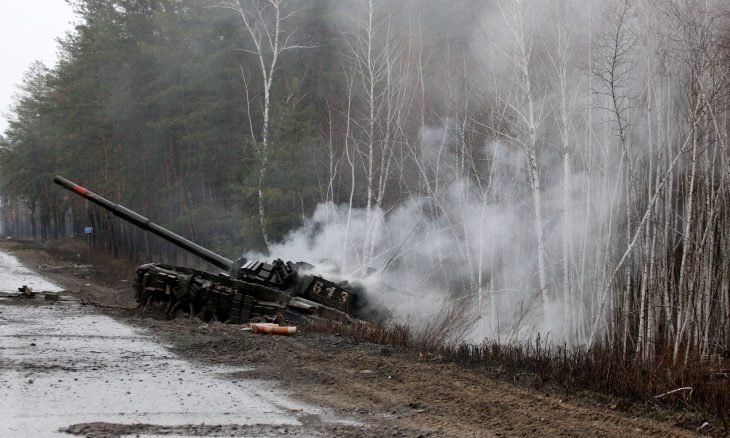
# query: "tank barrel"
{"type": "Point", "coordinates": [146, 224]}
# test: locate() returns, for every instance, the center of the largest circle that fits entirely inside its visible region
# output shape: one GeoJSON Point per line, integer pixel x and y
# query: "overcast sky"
{"type": "Point", "coordinates": [28, 32]}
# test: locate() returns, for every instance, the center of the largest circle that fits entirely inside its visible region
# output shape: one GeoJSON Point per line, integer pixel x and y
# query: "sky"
{"type": "Point", "coordinates": [28, 32]}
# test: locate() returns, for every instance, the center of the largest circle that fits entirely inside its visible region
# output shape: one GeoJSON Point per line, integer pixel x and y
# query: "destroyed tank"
{"type": "Point", "coordinates": [249, 290]}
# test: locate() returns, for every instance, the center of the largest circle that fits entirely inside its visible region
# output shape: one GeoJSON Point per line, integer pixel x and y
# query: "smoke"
{"type": "Point", "coordinates": [474, 240]}
{"type": "Point", "coordinates": [468, 231]}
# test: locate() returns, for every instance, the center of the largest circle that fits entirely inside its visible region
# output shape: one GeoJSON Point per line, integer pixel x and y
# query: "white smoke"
{"type": "Point", "coordinates": [470, 233]}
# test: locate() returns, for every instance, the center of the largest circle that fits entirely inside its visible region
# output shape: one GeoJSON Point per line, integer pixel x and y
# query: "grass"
{"type": "Point", "coordinates": [692, 385]}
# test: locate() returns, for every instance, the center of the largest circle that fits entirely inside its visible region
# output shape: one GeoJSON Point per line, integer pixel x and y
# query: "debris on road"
{"type": "Point", "coordinates": [26, 292]}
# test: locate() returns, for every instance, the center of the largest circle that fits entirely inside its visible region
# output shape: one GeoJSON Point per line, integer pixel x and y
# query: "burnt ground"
{"type": "Point", "coordinates": [389, 392]}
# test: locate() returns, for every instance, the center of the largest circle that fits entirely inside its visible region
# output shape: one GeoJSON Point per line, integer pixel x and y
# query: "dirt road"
{"type": "Point", "coordinates": [347, 389]}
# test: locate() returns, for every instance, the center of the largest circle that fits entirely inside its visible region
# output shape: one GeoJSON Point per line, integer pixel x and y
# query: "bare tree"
{"type": "Point", "coordinates": [529, 118]}
{"type": "Point", "coordinates": [376, 68]}
{"type": "Point", "coordinates": [561, 60]}
{"type": "Point", "coordinates": [265, 21]}
{"type": "Point", "coordinates": [614, 72]}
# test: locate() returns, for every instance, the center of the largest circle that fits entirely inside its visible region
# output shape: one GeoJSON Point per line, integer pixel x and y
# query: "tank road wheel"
{"type": "Point", "coordinates": [170, 305]}
{"type": "Point", "coordinates": [146, 306]}
{"type": "Point", "coordinates": [174, 308]}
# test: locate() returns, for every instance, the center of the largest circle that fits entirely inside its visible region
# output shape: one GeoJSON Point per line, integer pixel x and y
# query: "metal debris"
{"type": "Point", "coordinates": [26, 292]}
{"type": "Point", "coordinates": [270, 328]}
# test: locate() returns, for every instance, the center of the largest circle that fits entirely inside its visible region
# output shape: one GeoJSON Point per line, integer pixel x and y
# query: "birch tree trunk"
{"type": "Point", "coordinates": [264, 21]}
{"type": "Point", "coordinates": [531, 118]}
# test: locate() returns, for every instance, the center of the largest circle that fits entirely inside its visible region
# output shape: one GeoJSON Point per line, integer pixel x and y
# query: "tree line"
{"type": "Point", "coordinates": [563, 164]}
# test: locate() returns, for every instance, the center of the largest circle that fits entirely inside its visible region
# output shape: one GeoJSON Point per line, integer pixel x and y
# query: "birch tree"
{"type": "Point", "coordinates": [615, 75]}
{"type": "Point", "coordinates": [561, 62]}
{"type": "Point", "coordinates": [266, 23]}
{"type": "Point", "coordinates": [376, 67]}
{"type": "Point", "coordinates": [529, 115]}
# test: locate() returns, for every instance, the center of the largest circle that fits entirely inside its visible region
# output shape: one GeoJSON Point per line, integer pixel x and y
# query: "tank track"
{"type": "Point", "coordinates": [220, 298]}
{"type": "Point", "coordinates": [206, 296]}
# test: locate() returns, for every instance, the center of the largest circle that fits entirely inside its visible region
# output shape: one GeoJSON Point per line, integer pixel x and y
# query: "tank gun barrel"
{"type": "Point", "coordinates": [146, 224]}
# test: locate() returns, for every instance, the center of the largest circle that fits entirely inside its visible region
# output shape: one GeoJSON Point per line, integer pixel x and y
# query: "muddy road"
{"type": "Point", "coordinates": [94, 371]}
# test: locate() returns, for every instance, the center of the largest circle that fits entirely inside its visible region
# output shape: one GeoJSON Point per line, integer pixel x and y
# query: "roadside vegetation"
{"type": "Point", "coordinates": [698, 389]}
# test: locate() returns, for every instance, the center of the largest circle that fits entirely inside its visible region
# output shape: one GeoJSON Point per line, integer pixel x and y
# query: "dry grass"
{"type": "Point", "coordinates": [448, 327]}
{"type": "Point", "coordinates": [701, 386]}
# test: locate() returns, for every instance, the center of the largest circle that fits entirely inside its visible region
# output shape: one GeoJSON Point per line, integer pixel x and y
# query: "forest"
{"type": "Point", "coordinates": [560, 165]}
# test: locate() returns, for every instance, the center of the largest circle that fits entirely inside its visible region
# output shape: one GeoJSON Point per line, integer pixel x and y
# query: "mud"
{"type": "Point", "coordinates": [66, 367]}
{"type": "Point", "coordinates": [370, 389]}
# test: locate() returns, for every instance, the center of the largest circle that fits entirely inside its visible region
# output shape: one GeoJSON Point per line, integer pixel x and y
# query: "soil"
{"type": "Point", "coordinates": [385, 392]}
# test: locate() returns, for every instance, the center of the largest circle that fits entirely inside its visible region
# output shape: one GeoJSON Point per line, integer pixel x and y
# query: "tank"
{"type": "Point", "coordinates": [246, 290]}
